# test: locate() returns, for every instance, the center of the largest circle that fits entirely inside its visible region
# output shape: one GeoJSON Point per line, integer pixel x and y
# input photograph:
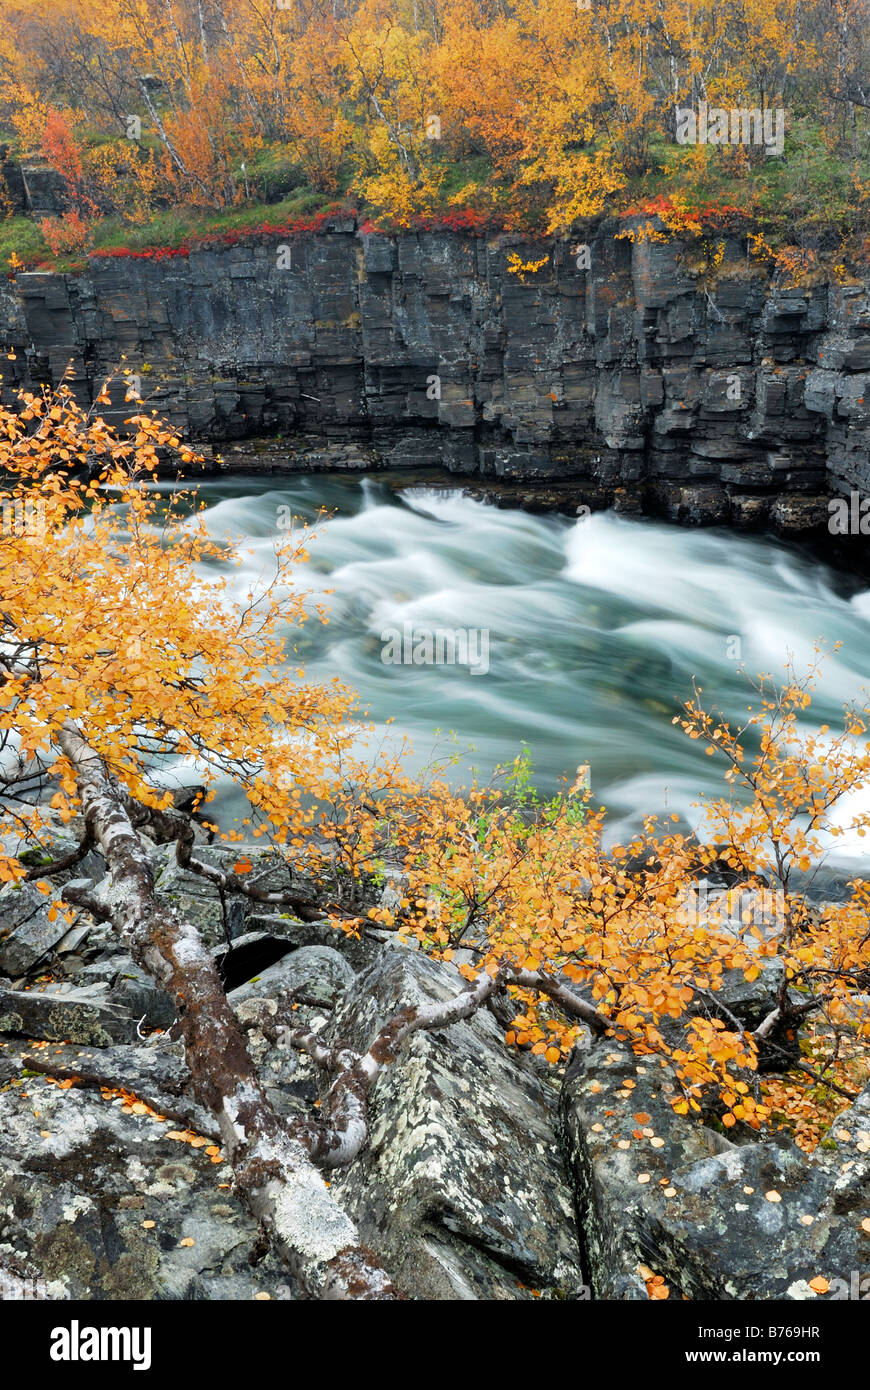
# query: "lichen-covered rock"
{"type": "Point", "coordinates": [197, 898]}
{"type": "Point", "coordinates": [357, 951]}
{"type": "Point", "coordinates": [27, 930]}
{"type": "Point", "coordinates": [317, 972]}
{"type": "Point", "coordinates": [156, 1074]}
{"type": "Point", "coordinates": [105, 1206]}
{"type": "Point", "coordinates": [319, 976]}
{"type": "Point", "coordinates": [59, 1012]}
{"type": "Point", "coordinates": [760, 1221]}
{"type": "Point", "coordinates": [622, 1139]}
{"type": "Point", "coordinates": [193, 896]}
{"type": "Point", "coordinates": [135, 991]}
{"type": "Point", "coordinates": [20, 1281]}
{"type": "Point", "coordinates": [757, 1220]}
{"type": "Point", "coordinates": [461, 1190]}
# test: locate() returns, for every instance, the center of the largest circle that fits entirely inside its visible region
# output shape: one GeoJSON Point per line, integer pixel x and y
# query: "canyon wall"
{"type": "Point", "coordinates": [646, 381]}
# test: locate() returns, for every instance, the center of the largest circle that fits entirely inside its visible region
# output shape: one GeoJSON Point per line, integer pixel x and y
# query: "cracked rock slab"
{"type": "Point", "coordinates": [759, 1222]}
{"type": "Point", "coordinates": [461, 1190]}
{"type": "Point", "coordinates": [30, 933]}
{"type": "Point", "coordinates": [62, 1013]}
{"type": "Point", "coordinates": [622, 1138]}
{"type": "Point", "coordinates": [157, 1075]}
{"type": "Point", "coordinates": [718, 1220]}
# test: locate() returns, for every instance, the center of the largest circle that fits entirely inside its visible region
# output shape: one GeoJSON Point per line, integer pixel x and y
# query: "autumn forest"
{"type": "Point", "coordinates": [187, 114]}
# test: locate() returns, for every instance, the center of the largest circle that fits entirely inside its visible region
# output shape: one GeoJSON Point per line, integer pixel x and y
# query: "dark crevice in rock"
{"type": "Point", "coordinates": [238, 964]}
{"type": "Point", "coordinates": [444, 1226]}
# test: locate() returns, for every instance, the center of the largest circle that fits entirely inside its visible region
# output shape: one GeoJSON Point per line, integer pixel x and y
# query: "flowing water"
{"type": "Point", "coordinates": [595, 628]}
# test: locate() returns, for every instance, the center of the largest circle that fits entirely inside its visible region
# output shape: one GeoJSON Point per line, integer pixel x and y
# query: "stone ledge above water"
{"type": "Point", "coordinates": [635, 384]}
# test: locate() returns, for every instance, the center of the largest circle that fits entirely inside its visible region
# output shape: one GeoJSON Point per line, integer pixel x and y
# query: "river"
{"type": "Point", "coordinates": [595, 628]}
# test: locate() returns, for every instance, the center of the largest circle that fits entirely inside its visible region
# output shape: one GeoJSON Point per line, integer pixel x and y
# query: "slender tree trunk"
{"type": "Point", "coordinates": [273, 1171]}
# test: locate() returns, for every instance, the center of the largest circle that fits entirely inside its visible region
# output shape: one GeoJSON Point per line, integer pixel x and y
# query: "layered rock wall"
{"type": "Point", "coordinates": [646, 381]}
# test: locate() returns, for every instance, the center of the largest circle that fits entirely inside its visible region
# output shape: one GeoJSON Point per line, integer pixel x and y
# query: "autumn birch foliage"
{"type": "Point", "coordinates": [538, 114]}
{"type": "Point", "coordinates": [520, 884]}
{"type": "Point", "coordinates": [110, 619]}
{"type": "Point", "coordinates": [122, 648]}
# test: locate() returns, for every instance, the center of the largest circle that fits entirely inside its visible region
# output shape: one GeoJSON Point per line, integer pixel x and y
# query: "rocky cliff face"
{"type": "Point", "coordinates": [644, 381]}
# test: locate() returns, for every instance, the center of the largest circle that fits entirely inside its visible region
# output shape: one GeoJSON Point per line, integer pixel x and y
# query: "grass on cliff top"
{"type": "Point", "coordinates": [810, 197]}
{"type": "Point", "coordinates": [22, 237]}
{"type": "Point", "coordinates": [810, 194]}
{"type": "Point", "coordinates": [174, 226]}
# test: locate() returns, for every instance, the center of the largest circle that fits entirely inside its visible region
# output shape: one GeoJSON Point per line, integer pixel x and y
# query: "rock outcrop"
{"type": "Point", "coordinates": [487, 1175]}
{"type": "Point", "coordinates": [105, 1204]}
{"type": "Point", "coordinates": [461, 1188]}
{"type": "Point", "coordinates": [757, 1219]}
{"type": "Point", "coordinates": [646, 382]}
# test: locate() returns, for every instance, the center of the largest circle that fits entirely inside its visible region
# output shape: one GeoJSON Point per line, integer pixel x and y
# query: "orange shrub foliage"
{"type": "Point", "coordinates": [65, 234]}
{"type": "Point", "coordinates": [548, 108]}
{"type": "Point", "coordinates": [152, 660]}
